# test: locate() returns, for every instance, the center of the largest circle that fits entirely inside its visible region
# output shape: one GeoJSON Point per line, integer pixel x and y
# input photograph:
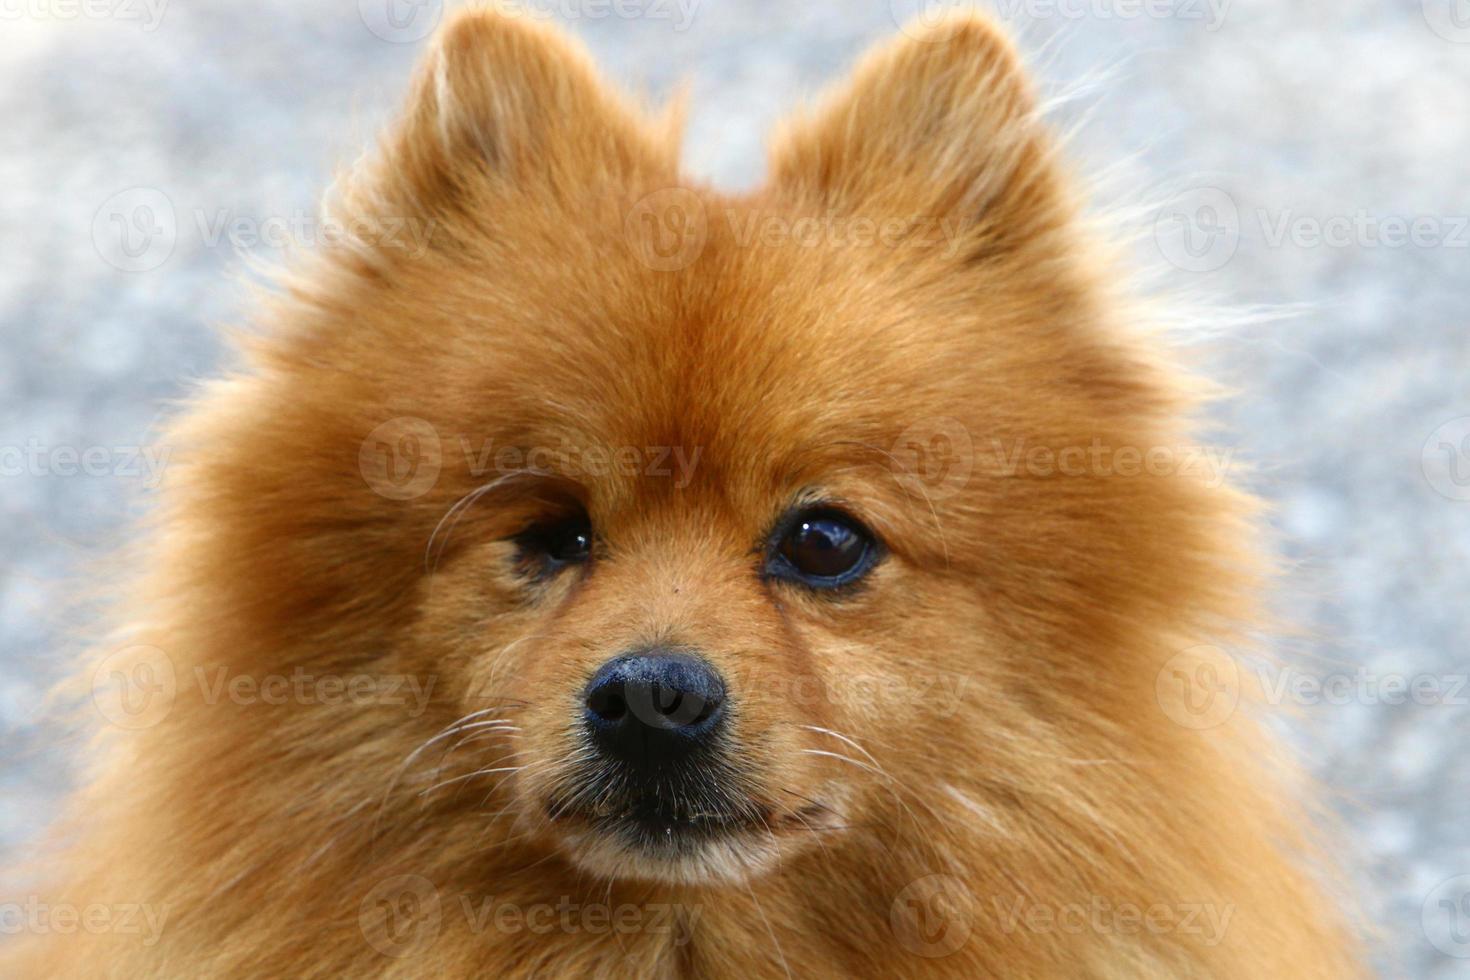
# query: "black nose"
{"type": "Point", "coordinates": [654, 707]}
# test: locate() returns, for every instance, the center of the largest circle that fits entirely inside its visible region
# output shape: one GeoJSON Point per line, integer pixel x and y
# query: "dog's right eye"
{"type": "Point", "coordinates": [571, 543]}
{"type": "Point", "coordinates": [552, 547]}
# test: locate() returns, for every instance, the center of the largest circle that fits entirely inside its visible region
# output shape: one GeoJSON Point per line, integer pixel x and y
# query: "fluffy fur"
{"type": "Point", "coordinates": [977, 733]}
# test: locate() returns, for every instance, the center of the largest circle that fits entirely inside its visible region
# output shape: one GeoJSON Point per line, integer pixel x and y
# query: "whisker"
{"type": "Point", "coordinates": [456, 511]}
{"type": "Point", "coordinates": [469, 775]}
{"type": "Point", "coordinates": [775, 943]}
{"type": "Point", "coordinates": [894, 784]}
{"type": "Point", "coordinates": [455, 727]}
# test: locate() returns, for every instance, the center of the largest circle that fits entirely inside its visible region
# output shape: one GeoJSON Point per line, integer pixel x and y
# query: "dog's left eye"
{"type": "Point", "coordinates": [823, 549]}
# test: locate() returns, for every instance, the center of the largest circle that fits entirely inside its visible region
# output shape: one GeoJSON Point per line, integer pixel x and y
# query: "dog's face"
{"type": "Point", "coordinates": [707, 518]}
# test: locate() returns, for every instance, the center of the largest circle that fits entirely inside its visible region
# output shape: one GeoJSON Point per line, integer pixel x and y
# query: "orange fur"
{"type": "Point", "coordinates": [986, 709]}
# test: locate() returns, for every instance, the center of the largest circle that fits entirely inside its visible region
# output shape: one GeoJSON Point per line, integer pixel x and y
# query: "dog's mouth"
{"type": "Point", "coordinates": [658, 828]}
{"type": "Point", "coordinates": [650, 838]}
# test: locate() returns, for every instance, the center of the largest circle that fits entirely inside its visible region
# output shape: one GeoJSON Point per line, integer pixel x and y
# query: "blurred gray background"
{"type": "Point", "coordinates": [1310, 158]}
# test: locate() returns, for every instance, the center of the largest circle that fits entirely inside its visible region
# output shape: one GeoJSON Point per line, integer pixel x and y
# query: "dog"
{"type": "Point", "coordinates": [583, 572]}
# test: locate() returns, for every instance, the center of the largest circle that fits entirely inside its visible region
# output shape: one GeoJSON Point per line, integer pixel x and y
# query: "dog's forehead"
{"type": "Point", "coordinates": [762, 362]}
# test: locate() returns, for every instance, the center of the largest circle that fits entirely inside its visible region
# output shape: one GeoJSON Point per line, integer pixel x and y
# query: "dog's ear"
{"type": "Point", "coordinates": [941, 123]}
{"type": "Point", "coordinates": [501, 104]}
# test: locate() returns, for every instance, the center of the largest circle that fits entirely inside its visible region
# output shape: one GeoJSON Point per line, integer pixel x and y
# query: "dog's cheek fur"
{"type": "Point", "coordinates": [999, 669]}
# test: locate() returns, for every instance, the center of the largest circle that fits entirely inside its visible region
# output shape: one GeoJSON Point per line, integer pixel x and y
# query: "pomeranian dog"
{"type": "Point", "coordinates": [637, 580]}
